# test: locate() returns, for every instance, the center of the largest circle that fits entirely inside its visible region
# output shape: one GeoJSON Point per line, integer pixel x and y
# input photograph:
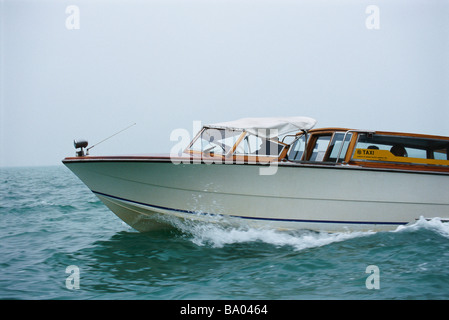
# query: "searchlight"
{"type": "Point", "coordinates": [80, 144]}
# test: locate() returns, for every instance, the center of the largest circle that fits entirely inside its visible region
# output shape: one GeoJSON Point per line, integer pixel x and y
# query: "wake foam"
{"type": "Point", "coordinates": [219, 232]}
{"type": "Point", "coordinates": [217, 235]}
{"type": "Point", "coordinates": [433, 224]}
{"type": "Point", "coordinates": [299, 240]}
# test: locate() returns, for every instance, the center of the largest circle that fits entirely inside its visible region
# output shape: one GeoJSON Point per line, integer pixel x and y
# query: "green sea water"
{"type": "Point", "coordinates": [58, 241]}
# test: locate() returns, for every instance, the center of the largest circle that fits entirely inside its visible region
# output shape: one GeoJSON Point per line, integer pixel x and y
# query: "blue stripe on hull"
{"type": "Point", "coordinates": [252, 218]}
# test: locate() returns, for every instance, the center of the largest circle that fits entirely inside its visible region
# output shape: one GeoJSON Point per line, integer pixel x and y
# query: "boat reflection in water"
{"type": "Point", "coordinates": [278, 173]}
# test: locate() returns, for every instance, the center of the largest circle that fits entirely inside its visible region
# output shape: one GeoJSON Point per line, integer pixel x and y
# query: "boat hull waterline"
{"type": "Point", "coordinates": [156, 193]}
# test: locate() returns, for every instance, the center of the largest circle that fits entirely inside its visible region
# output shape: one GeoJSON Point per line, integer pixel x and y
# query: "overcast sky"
{"type": "Point", "coordinates": [87, 69]}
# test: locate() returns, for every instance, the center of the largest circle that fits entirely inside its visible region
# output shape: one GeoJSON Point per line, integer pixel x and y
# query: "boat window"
{"type": "Point", "coordinates": [297, 149]}
{"type": "Point", "coordinates": [254, 145]}
{"type": "Point", "coordinates": [217, 141]}
{"type": "Point", "coordinates": [336, 145]}
{"type": "Point", "coordinates": [319, 150]}
{"type": "Point", "coordinates": [441, 154]}
{"type": "Point", "coordinates": [401, 149]}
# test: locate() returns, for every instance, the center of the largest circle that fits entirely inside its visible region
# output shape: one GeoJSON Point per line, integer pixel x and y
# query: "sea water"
{"type": "Point", "coordinates": [58, 241]}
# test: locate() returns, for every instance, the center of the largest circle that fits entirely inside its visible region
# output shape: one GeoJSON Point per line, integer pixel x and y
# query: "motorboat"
{"type": "Point", "coordinates": [277, 173]}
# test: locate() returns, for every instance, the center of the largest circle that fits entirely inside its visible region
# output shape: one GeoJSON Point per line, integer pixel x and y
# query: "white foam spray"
{"type": "Point", "coordinates": [218, 232]}
{"type": "Point", "coordinates": [433, 224]}
{"type": "Point", "coordinates": [217, 235]}
{"type": "Point", "coordinates": [299, 240]}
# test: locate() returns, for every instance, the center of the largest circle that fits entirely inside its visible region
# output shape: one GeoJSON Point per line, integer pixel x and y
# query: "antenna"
{"type": "Point", "coordinates": [87, 150]}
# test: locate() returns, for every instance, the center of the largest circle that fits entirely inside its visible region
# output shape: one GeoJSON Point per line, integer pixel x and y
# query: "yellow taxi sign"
{"type": "Point", "coordinates": [385, 155]}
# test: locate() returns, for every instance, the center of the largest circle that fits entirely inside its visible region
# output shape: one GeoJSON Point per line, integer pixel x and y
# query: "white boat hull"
{"type": "Point", "coordinates": [155, 193]}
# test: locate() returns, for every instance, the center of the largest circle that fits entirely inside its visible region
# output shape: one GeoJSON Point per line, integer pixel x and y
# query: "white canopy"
{"type": "Point", "coordinates": [268, 127]}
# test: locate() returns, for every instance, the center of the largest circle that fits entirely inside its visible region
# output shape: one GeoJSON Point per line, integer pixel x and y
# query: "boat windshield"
{"type": "Point", "coordinates": [216, 141]}
{"type": "Point", "coordinates": [255, 145]}
{"type": "Point", "coordinates": [222, 142]}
